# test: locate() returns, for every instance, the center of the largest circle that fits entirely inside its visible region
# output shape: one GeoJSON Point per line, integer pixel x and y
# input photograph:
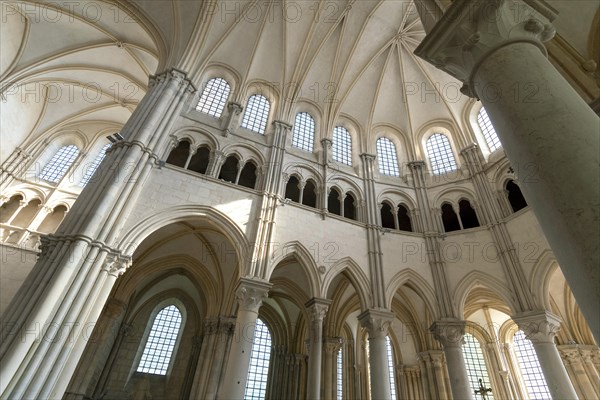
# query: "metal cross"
{"type": "Point", "coordinates": [483, 391]}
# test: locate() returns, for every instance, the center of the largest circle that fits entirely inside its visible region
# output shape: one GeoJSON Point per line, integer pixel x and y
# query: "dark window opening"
{"type": "Point", "coordinates": [199, 161]}
{"type": "Point", "coordinates": [515, 196]}
{"type": "Point", "coordinates": [248, 176]}
{"type": "Point", "coordinates": [309, 195]}
{"type": "Point", "coordinates": [229, 169]}
{"type": "Point", "coordinates": [404, 223]}
{"type": "Point", "coordinates": [449, 218]}
{"type": "Point", "coordinates": [349, 207]}
{"type": "Point", "coordinates": [179, 154]}
{"type": "Point", "coordinates": [333, 202]}
{"type": "Point", "coordinates": [387, 218]}
{"type": "Point", "coordinates": [467, 215]}
{"type": "Point", "coordinates": [292, 191]}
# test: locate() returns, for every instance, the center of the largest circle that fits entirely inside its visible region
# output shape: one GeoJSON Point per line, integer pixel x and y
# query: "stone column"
{"type": "Point", "coordinates": [541, 328]}
{"type": "Point", "coordinates": [378, 322]}
{"type": "Point", "coordinates": [222, 336]}
{"type": "Point", "coordinates": [496, 48]}
{"type": "Point", "coordinates": [450, 333]}
{"type": "Point", "coordinates": [316, 308]}
{"type": "Point", "coordinates": [250, 295]}
{"type": "Point", "coordinates": [232, 121]}
{"type": "Point", "coordinates": [574, 365]}
{"type": "Point", "coordinates": [587, 356]}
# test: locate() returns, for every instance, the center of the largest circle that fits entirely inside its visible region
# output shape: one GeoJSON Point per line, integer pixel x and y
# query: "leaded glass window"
{"type": "Point", "coordinates": [489, 133]}
{"type": "Point", "coordinates": [161, 342]}
{"type": "Point", "coordinates": [391, 367]}
{"type": "Point", "coordinates": [91, 168]}
{"type": "Point", "coordinates": [214, 97]}
{"type": "Point", "coordinates": [60, 163]}
{"type": "Point", "coordinates": [256, 384]}
{"type": "Point", "coordinates": [440, 154]}
{"type": "Point", "coordinates": [257, 114]}
{"type": "Point", "coordinates": [534, 379]}
{"type": "Point", "coordinates": [342, 145]}
{"type": "Point", "coordinates": [387, 157]}
{"type": "Point", "coordinates": [340, 375]}
{"type": "Point", "coordinates": [304, 132]}
{"type": "Point", "coordinates": [475, 363]}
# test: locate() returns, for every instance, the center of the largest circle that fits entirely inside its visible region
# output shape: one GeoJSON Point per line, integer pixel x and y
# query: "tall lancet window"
{"type": "Point", "coordinates": [440, 154]}
{"type": "Point", "coordinates": [387, 157]}
{"type": "Point", "coordinates": [256, 385]}
{"type": "Point", "coordinates": [60, 163]}
{"type": "Point", "coordinates": [489, 133]}
{"type": "Point", "coordinates": [214, 97]}
{"type": "Point", "coordinates": [342, 145]}
{"type": "Point", "coordinates": [391, 367]}
{"type": "Point", "coordinates": [257, 114]}
{"type": "Point", "coordinates": [91, 168]}
{"type": "Point", "coordinates": [534, 379]}
{"type": "Point", "coordinates": [475, 363]}
{"type": "Point", "coordinates": [340, 375]}
{"type": "Point", "coordinates": [161, 341]}
{"type": "Point", "coordinates": [304, 132]}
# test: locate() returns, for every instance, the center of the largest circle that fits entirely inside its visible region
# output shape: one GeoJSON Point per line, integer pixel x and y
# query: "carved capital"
{"type": "Point", "coordinates": [471, 30]}
{"type": "Point", "coordinates": [317, 309]}
{"type": "Point", "coordinates": [115, 265]}
{"type": "Point", "coordinates": [449, 332]}
{"type": "Point", "coordinates": [235, 108]}
{"type": "Point", "coordinates": [333, 345]}
{"type": "Point", "coordinates": [377, 322]}
{"type": "Point", "coordinates": [251, 293]}
{"type": "Point", "coordinates": [570, 355]}
{"type": "Point", "coordinates": [539, 327]}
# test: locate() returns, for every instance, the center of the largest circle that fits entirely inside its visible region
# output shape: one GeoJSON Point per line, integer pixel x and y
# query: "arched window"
{"type": "Point", "coordinates": [248, 175]}
{"type": "Point", "coordinates": [229, 169]}
{"type": "Point", "coordinates": [340, 374]}
{"type": "Point", "coordinates": [256, 384]}
{"type": "Point", "coordinates": [161, 342]}
{"type": "Point", "coordinates": [91, 168]}
{"type": "Point", "coordinates": [534, 379]}
{"type": "Point", "coordinates": [489, 133]}
{"type": "Point", "coordinates": [214, 97]}
{"type": "Point", "coordinates": [350, 206]}
{"type": "Point", "coordinates": [391, 367]}
{"type": "Point", "coordinates": [387, 218]}
{"type": "Point", "coordinates": [257, 114]}
{"type": "Point", "coordinates": [440, 154]}
{"type": "Point", "coordinates": [449, 218]}
{"type": "Point", "coordinates": [334, 203]}
{"type": "Point", "coordinates": [515, 197]}
{"type": "Point", "coordinates": [309, 194]}
{"type": "Point", "coordinates": [387, 157]}
{"type": "Point", "coordinates": [60, 163]}
{"type": "Point", "coordinates": [292, 189]}
{"type": "Point", "coordinates": [199, 161]}
{"type": "Point", "coordinates": [404, 223]}
{"type": "Point", "coordinates": [304, 132]}
{"type": "Point", "coordinates": [468, 217]}
{"type": "Point", "coordinates": [475, 363]}
{"type": "Point", "coordinates": [342, 145]}
{"type": "Point", "coordinates": [179, 155]}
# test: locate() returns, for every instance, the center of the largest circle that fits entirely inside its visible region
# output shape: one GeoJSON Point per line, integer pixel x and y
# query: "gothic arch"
{"type": "Point", "coordinates": [539, 278]}
{"type": "Point", "coordinates": [152, 223]}
{"type": "Point", "coordinates": [418, 284]}
{"type": "Point", "coordinates": [356, 276]}
{"type": "Point", "coordinates": [474, 278]}
{"type": "Point", "coordinates": [298, 251]}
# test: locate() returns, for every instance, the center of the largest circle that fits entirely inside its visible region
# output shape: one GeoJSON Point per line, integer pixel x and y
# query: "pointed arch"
{"type": "Point", "coordinates": [356, 276]}
{"type": "Point", "coordinates": [418, 284]}
{"type": "Point", "coordinates": [540, 276]}
{"type": "Point", "coordinates": [474, 278]}
{"type": "Point", "coordinates": [298, 251]}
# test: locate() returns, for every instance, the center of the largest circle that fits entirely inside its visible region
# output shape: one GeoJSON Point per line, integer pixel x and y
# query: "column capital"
{"type": "Point", "coordinates": [250, 293]}
{"type": "Point", "coordinates": [539, 327]}
{"type": "Point", "coordinates": [570, 354]}
{"type": "Point", "coordinates": [317, 309]}
{"type": "Point", "coordinates": [116, 265]}
{"type": "Point", "coordinates": [367, 157]}
{"type": "Point", "coordinates": [471, 30]}
{"type": "Point", "coordinates": [333, 344]}
{"type": "Point", "coordinates": [235, 108]}
{"type": "Point", "coordinates": [377, 322]}
{"type": "Point", "coordinates": [449, 332]}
